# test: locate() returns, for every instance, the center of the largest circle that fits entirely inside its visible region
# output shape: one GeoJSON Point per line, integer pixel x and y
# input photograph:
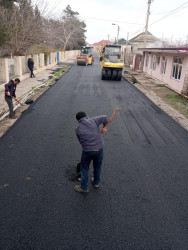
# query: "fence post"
{"type": "Point", "coordinates": [4, 73]}
{"type": "Point", "coordinates": [41, 60]}
{"type": "Point", "coordinates": [18, 62]}
{"type": "Point", "coordinates": [36, 61]}
{"type": "Point", "coordinates": [185, 83]}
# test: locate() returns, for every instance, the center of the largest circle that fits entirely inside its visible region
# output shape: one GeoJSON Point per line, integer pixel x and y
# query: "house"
{"type": "Point", "coordinates": [97, 46]}
{"type": "Point", "coordinates": [168, 65]}
{"type": "Point", "coordinates": [122, 41]}
{"type": "Point", "coordinates": [137, 42]}
{"type": "Point", "coordinates": [102, 43]}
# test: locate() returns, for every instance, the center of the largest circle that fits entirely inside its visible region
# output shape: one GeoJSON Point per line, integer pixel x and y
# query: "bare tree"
{"type": "Point", "coordinates": [67, 32]}
{"type": "Point", "coordinates": [24, 29]}
{"type": "Point", "coordinates": [7, 3]}
{"type": "Point", "coordinates": [173, 43]}
{"type": "Point", "coordinates": [23, 25]}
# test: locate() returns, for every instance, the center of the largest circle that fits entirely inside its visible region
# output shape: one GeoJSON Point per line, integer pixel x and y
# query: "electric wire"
{"type": "Point", "coordinates": [171, 13]}
{"type": "Point", "coordinates": [109, 20]}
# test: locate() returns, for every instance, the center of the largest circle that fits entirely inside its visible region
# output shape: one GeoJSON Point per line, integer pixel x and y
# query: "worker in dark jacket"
{"type": "Point", "coordinates": [30, 64]}
{"type": "Point", "coordinates": [89, 136]}
{"type": "Point", "coordinates": [10, 93]}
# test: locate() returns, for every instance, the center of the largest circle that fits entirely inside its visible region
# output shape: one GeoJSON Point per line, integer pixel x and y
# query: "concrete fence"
{"type": "Point", "coordinates": [17, 66]}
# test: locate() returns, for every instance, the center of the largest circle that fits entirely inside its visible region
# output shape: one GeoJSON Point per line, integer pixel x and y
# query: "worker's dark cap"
{"type": "Point", "coordinates": [80, 115]}
{"type": "Point", "coordinates": [17, 80]}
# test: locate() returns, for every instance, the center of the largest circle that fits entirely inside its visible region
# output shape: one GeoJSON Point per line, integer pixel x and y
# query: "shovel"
{"type": "Point", "coordinates": [111, 118]}
{"type": "Point", "coordinates": [22, 104]}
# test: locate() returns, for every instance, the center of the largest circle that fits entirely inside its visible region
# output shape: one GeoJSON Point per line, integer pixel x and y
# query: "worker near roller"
{"type": "Point", "coordinates": [89, 136]}
{"type": "Point", "coordinates": [10, 93]}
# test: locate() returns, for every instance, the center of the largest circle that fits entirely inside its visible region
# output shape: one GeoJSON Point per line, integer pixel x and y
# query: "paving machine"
{"type": "Point", "coordinates": [112, 63]}
{"type": "Point", "coordinates": [86, 57]}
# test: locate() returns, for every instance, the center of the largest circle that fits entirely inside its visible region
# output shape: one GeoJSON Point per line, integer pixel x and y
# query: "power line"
{"type": "Point", "coordinates": [140, 12]}
{"type": "Point", "coordinates": [160, 13]}
{"type": "Point", "coordinates": [108, 20]}
{"type": "Point", "coordinates": [171, 13]}
{"type": "Point", "coordinates": [138, 31]}
{"type": "Point", "coordinates": [182, 13]}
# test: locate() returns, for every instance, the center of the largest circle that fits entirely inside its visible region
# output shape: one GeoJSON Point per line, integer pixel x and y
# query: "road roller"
{"type": "Point", "coordinates": [86, 56]}
{"type": "Point", "coordinates": [112, 64]}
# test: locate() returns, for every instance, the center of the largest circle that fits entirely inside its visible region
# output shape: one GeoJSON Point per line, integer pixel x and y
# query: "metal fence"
{"type": "Point", "coordinates": [11, 68]}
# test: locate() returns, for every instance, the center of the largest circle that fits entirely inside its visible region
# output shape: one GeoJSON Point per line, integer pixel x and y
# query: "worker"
{"type": "Point", "coordinates": [10, 93]}
{"type": "Point", "coordinates": [89, 136]}
{"type": "Point", "coordinates": [30, 64]}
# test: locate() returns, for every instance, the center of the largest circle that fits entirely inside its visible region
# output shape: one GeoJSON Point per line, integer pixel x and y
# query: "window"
{"type": "Point", "coordinates": [151, 61]}
{"type": "Point", "coordinates": [154, 62]}
{"type": "Point", "coordinates": [177, 67]}
{"type": "Point", "coordinates": [146, 61]}
{"type": "Point", "coordinates": [163, 64]}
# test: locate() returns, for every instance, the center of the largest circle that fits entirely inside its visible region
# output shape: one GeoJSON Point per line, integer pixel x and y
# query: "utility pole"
{"type": "Point", "coordinates": [126, 50]}
{"type": "Point", "coordinates": [118, 34]}
{"type": "Point", "coordinates": [171, 39]}
{"type": "Point", "coordinates": [162, 37]}
{"type": "Point", "coordinates": [127, 42]}
{"type": "Point", "coordinates": [117, 31]}
{"type": "Point", "coordinates": [147, 20]}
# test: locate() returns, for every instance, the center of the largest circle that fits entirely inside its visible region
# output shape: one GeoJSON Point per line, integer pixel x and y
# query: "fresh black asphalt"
{"type": "Point", "coordinates": [142, 202]}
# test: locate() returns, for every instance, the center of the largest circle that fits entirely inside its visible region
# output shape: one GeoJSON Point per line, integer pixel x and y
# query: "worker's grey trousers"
{"type": "Point", "coordinates": [10, 105]}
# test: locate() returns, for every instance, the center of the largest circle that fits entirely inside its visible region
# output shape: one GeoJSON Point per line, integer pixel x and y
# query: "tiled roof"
{"type": "Point", "coordinates": [141, 36]}
{"type": "Point", "coordinates": [103, 42]}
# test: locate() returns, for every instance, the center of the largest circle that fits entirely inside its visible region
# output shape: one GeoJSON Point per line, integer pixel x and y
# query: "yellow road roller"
{"type": "Point", "coordinates": [86, 56]}
{"type": "Point", "coordinates": [112, 63]}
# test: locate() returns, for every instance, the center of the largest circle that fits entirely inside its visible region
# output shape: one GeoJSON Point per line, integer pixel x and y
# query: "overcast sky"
{"type": "Point", "coordinates": [130, 16]}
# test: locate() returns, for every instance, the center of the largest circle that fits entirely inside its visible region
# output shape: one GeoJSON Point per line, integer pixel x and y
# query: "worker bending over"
{"type": "Point", "coordinates": [89, 136]}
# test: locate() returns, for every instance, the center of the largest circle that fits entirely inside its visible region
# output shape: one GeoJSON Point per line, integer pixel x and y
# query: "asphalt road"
{"type": "Point", "coordinates": [142, 202]}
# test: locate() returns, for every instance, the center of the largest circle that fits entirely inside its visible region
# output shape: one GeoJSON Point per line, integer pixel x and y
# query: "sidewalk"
{"type": "Point", "coordinates": [26, 85]}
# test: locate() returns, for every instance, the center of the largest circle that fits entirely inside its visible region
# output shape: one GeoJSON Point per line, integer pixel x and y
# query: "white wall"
{"type": "Point", "coordinates": [167, 77]}
{"type": "Point", "coordinates": [20, 69]}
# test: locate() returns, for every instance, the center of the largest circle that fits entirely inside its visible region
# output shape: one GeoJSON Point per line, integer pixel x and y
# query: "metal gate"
{"type": "Point", "coordinates": [138, 60]}
{"type": "Point", "coordinates": [57, 56]}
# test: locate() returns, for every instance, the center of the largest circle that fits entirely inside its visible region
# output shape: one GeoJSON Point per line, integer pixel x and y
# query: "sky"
{"type": "Point", "coordinates": [168, 19]}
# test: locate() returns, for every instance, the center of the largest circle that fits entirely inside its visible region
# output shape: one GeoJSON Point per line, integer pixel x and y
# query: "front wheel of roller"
{"type": "Point", "coordinates": [119, 75]}
{"type": "Point", "coordinates": [114, 74]}
{"type": "Point", "coordinates": [109, 75]}
{"type": "Point", "coordinates": [103, 75]}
